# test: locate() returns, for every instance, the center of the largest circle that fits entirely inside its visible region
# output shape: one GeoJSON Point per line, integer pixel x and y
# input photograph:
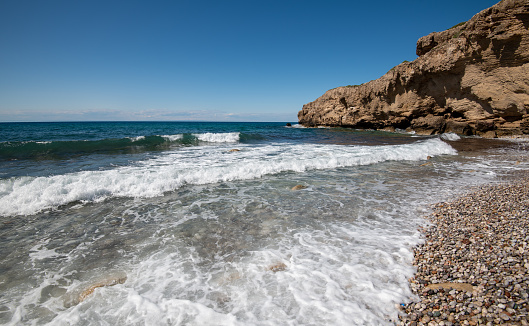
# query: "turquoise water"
{"type": "Point", "coordinates": [195, 223]}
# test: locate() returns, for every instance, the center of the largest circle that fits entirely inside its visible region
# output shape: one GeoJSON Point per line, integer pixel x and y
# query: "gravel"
{"type": "Point", "coordinates": [473, 268]}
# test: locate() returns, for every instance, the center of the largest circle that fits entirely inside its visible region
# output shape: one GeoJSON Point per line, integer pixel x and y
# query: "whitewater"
{"type": "Point", "coordinates": [198, 223]}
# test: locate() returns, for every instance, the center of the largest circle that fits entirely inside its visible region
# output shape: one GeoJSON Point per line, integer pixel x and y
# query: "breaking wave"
{"type": "Point", "coordinates": [198, 165]}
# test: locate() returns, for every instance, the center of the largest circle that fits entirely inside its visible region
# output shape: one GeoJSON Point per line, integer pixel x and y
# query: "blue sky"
{"type": "Point", "coordinates": [201, 60]}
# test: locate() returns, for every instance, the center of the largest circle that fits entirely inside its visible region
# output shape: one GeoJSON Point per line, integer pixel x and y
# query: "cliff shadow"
{"type": "Point", "coordinates": [505, 50]}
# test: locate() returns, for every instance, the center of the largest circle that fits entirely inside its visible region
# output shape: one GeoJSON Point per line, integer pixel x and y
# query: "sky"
{"type": "Point", "coordinates": [66, 60]}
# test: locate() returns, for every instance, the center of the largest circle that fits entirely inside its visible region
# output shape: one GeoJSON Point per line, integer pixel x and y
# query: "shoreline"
{"type": "Point", "coordinates": [473, 268]}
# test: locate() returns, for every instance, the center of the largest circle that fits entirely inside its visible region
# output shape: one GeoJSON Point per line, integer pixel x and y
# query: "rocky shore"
{"type": "Point", "coordinates": [472, 79]}
{"type": "Point", "coordinates": [473, 268]}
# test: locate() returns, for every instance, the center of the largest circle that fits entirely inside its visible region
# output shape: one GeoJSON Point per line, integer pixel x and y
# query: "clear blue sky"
{"type": "Point", "coordinates": [201, 60]}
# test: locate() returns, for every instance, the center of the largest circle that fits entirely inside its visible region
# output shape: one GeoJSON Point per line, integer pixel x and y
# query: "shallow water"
{"type": "Point", "coordinates": [193, 234]}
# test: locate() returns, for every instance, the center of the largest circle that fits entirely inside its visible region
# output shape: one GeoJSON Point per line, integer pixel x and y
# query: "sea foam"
{"type": "Point", "coordinates": [450, 136]}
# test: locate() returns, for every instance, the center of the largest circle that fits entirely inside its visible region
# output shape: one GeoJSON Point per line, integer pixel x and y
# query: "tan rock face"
{"type": "Point", "coordinates": [470, 79]}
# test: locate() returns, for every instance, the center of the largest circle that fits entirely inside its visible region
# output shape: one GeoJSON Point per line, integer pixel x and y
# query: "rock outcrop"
{"type": "Point", "coordinates": [472, 79]}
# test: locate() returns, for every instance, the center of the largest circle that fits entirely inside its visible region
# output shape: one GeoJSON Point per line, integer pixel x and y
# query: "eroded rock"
{"type": "Point", "coordinates": [472, 79]}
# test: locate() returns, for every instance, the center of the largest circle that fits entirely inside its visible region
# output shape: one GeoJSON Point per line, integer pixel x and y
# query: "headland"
{"type": "Point", "coordinates": [472, 79]}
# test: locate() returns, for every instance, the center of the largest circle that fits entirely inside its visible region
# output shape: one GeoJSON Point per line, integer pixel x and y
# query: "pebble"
{"type": "Point", "coordinates": [480, 241]}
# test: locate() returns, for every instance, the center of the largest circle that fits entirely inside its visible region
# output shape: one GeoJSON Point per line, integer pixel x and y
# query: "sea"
{"type": "Point", "coordinates": [217, 223]}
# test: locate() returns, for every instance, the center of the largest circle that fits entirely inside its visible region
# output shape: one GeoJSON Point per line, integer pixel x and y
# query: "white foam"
{"type": "Point", "coordinates": [227, 137]}
{"type": "Point", "coordinates": [137, 138]}
{"type": "Point", "coordinates": [125, 306]}
{"type": "Point", "coordinates": [347, 274]}
{"type": "Point", "coordinates": [197, 165]}
{"type": "Point", "coordinates": [173, 137]}
{"type": "Point", "coordinates": [40, 252]}
{"type": "Point", "coordinates": [450, 136]}
{"type": "Point", "coordinates": [516, 138]}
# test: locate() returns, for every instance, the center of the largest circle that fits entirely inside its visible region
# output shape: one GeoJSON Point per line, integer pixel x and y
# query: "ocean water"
{"type": "Point", "coordinates": [195, 223]}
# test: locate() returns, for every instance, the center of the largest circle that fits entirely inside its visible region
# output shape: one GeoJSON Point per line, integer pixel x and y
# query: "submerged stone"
{"type": "Point", "coordinates": [299, 187]}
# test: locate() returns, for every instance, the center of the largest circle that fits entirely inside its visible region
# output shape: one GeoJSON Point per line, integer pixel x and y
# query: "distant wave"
{"type": "Point", "coordinates": [297, 126]}
{"type": "Point", "coordinates": [42, 150]}
{"type": "Point", "coordinates": [197, 165]}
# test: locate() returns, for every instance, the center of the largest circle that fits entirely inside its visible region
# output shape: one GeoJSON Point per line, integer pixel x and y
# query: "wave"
{"type": "Point", "coordinates": [197, 165]}
{"type": "Point", "coordinates": [42, 150]}
{"type": "Point", "coordinates": [228, 137]}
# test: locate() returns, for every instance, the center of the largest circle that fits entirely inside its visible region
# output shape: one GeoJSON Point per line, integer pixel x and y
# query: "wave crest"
{"type": "Point", "coordinates": [227, 137]}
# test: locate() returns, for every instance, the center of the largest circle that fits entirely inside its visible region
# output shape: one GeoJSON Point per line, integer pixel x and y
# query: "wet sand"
{"type": "Point", "coordinates": [471, 144]}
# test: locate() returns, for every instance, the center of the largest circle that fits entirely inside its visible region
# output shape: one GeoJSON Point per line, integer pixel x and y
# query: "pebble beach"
{"type": "Point", "coordinates": [473, 268]}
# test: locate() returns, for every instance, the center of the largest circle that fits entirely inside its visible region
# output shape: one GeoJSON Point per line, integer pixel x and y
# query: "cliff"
{"type": "Point", "coordinates": [472, 79]}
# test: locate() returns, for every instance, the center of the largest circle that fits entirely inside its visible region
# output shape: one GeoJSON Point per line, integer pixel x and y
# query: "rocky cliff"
{"type": "Point", "coordinates": [470, 79]}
